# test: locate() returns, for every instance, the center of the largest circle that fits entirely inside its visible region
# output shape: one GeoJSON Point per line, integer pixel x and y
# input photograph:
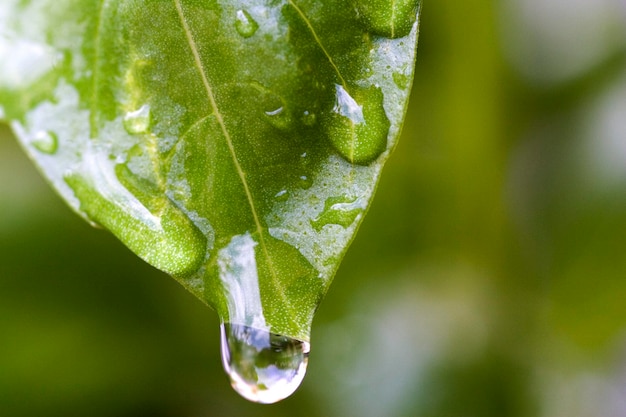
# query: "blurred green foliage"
{"type": "Point", "coordinates": [487, 280]}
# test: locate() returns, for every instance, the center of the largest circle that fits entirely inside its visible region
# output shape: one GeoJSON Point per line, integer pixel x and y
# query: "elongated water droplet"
{"type": "Point", "coordinates": [245, 25]}
{"type": "Point", "coordinates": [263, 367]}
{"type": "Point", "coordinates": [338, 210]}
{"type": "Point", "coordinates": [45, 142]}
{"type": "Point", "coordinates": [282, 195]}
{"type": "Point", "coordinates": [358, 126]}
{"type": "Point", "coordinates": [138, 121]}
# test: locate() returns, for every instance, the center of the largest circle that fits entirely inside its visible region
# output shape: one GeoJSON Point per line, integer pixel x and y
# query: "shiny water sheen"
{"type": "Point", "coordinates": [263, 367]}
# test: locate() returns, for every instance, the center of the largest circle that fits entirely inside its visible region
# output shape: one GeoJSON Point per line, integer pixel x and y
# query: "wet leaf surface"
{"type": "Point", "coordinates": [235, 145]}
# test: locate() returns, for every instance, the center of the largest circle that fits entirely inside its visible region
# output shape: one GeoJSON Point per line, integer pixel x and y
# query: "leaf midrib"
{"type": "Point", "coordinates": [242, 175]}
{"type": "Point", "coordinates": [307, 22]}
{"type": "Point", "coordinates": [342, 80]}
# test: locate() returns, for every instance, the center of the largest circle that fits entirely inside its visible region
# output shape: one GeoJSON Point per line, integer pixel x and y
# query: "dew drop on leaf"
{"type": "Point", "coordinates": [309, 119]}
{"type": "Point", "coordinates": [305, 182]}
{"type": "Point", "coordinates": [245, 25]}
{"type": "Point", "coordinates": [45, 142]}
{"type": "Point", "coordinates": [274, 109]}
{"type": "Point", "coordinates": [279, 118]}
{"type": "Point", "coordinates": [338, 210]}
{"type": "Point", "coordinates": [358, 125]}
{"type": "Point", "coordinates": [282, 195]}
{"type": "Point", "coordinates": [138, 121]}
{"type": "Point", "coordinates": [263, 367]}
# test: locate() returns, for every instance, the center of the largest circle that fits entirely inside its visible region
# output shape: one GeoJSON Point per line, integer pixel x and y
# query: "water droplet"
{"type": "Point", "coordinates": [309, 119]}
{"type": "Point", "coordinates": [401, 80]}
{"type": "Point", "coordinates": [138, 121]}
{"type": "Point", "coordinates": [282, 195]}
{"type": "Point", "coordinates": [246, 26]}
{"type": "Point", "coordinates": [45, 142]}
{"type": "Point", "coordinates": [305, 182]}
{"type": "Point", "coordinates": [338, 210]}
{"type": "Point", "coordinates": [275, 110]}
{"type": "Point", "coordinates": [388, 18]}
{"type": "Point", "coordinates": [263, 367]}
{"type": "Point", "coordinates": [358, 125]}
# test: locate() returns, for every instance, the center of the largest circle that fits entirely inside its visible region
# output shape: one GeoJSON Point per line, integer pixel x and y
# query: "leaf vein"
{"type": "Point", "coordinates": [332, 63]}
{"type": "Point", "coordinates": [216, 111]}
{"type": "Point", "coordinates": [242, 175]}
{"type": "Point", "coordinates": [96, 69]}
{"type": "Point", "coordinates": [319, 42]}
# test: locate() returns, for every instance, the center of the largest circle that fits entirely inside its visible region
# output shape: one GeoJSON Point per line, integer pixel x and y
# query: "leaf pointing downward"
{"type": "Point", "coordinates": [233, 144]}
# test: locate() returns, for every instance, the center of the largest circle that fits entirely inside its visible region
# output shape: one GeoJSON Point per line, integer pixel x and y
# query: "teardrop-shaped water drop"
{"type": "Point", "coordinates": [45, 142]}
{"type": "Point", "coordinates": [138, 121]}
{"type": "Point", "coordinates": [358, 125]}
{"type": "Point", "coordinates": [246, 26]}
{"type": "Point", "coordinates": [263, 367]}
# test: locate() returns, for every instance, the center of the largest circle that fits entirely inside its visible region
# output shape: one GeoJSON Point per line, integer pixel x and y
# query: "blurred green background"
{"type": "Point", "coordinates": [489, 278]}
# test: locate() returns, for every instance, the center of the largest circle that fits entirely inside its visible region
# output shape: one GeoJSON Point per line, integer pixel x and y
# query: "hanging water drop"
{"type": "Point", "coordinates": [138, 121]}
{"type": "Point", "coordinates": [263, 367]}
{"type": "Point", "coordinates": [245, 25]}
{"type": "Point", "coordinates": [45, 142]}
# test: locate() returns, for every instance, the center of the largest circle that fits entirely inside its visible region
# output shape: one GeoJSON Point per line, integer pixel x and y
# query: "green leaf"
{"type": "Point", "coordinates": [235, 145]}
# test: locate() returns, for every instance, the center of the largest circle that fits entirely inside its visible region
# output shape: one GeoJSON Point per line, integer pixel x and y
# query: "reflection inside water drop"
{"type": "Point", "coordinates": [263, 367]}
